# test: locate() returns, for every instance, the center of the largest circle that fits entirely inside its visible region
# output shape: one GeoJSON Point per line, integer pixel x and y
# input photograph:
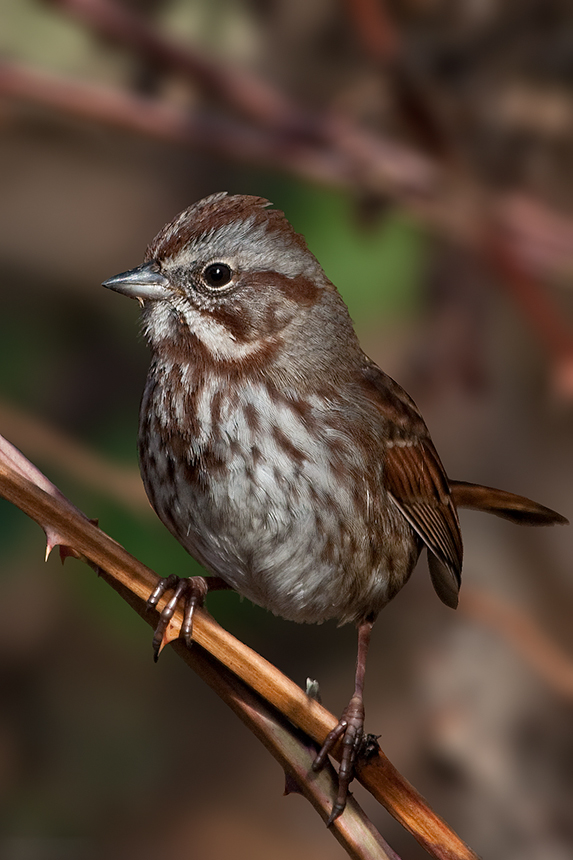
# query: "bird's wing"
{"type": "Point", "coordinates": [417, 483]}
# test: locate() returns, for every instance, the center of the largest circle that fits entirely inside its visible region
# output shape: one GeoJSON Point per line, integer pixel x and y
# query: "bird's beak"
{"type": "Point", "coordinates": [144, 282]}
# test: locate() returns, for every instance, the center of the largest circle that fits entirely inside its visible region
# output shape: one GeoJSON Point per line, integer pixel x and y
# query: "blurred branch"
{"type": "Point", "coordinates": [21, 484]}
{"type": "Point", "coordinates": [80, 462]}
{"type": "Point", "coordinates": [375, 28]}
{"type": "Point", "coordinates": [377, 163]}
{"type": "Point", "coordinates": [414, 103]}
{"type": "Point", "coordinates": [541, 313]}
{"type": "Point", "coordinates": [518, 629]}
{"type": "Point", "coordinates": [156, 119]}
{"type": "Point", "coordinates": [239, 88]}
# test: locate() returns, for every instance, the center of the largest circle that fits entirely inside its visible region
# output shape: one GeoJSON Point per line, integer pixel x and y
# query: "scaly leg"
{"type": "Point", "coordinates": [193, 590]}
{"type": "Point", "coordinates": [350, 727]}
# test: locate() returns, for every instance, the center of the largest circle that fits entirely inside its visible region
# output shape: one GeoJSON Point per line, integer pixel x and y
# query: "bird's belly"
{"type": "Point", "coordinates": [289, 526]}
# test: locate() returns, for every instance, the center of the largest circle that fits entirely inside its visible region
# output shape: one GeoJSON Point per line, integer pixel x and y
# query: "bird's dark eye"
{"type": "Point", "coordinates": [217, 275]}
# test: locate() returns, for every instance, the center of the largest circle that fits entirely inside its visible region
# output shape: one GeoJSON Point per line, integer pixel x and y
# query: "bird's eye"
{"type": "Point", "coordinates": [217, 275]}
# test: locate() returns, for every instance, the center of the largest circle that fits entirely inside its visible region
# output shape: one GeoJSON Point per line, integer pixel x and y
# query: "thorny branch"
{"type": "Point", "coordinates": [221, 659]}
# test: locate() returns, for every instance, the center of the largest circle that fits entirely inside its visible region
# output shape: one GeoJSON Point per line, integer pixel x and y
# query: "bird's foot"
{"type": "Point", "coordinates": [193, 590]}
{"type": "Point", "coordinates": [350, 733]}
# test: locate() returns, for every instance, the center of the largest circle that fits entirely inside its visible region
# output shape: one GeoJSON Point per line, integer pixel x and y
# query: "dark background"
{"type": "Point", "coordinates": [103, 753]}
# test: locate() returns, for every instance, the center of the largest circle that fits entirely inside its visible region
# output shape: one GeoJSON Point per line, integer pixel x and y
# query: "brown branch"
{"type": "Point", "coordinates": [539, 237]}
{"type": "Point", "coordinates": [290, 747]}
{"type": "Point", "coordinates": [375, 161]}
{"type": "Point", "coordinates": [134, 581]}
{"type": "Point", "coordinates": [294, 752]}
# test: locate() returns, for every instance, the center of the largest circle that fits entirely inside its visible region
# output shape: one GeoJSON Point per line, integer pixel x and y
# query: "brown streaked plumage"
{"type": "Point", "coordinates": [277, 453]}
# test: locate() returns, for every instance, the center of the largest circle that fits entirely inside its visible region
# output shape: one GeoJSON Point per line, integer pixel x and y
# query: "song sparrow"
{"type": "Point", "coordinates": [275, 451]}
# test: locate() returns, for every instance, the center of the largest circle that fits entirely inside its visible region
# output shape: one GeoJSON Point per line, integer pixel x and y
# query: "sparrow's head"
{"type": "Point", "coordinates": [230, 276]}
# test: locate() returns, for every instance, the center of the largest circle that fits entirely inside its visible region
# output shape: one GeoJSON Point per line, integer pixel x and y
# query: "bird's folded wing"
{"type": "Point", "coordinates": [417, 483]}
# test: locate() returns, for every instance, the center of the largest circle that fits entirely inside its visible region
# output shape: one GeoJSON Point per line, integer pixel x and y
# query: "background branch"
{"type": "Point", "coordinates": [520, 239]}
{"type": "Point", "coordinates": [522, 633]}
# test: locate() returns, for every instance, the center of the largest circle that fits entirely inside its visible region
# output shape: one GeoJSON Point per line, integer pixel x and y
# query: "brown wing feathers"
{"type": "Point", "coordinates": [417, 483]}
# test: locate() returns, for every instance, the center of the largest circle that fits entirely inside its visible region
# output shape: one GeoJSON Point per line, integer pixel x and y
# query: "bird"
{"type": "Point", "coordinates": [281, 457]}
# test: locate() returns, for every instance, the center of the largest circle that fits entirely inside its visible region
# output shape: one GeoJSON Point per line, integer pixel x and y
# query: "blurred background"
{"type": "Point", "coordinates": [425, 150]}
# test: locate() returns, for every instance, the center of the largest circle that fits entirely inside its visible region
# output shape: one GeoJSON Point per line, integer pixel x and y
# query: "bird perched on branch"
{"type": "Point", "coordinates": [276, 452]}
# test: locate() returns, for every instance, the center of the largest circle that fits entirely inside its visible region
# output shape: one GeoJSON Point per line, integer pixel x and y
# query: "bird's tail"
{"type": "Point", "coordinates": [518, 509]}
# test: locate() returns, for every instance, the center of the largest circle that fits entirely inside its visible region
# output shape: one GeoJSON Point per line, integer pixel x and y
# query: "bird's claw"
{"type": "Point", "coordinates": [351, 730]}
{"type": "Point", "coordinates": [193, 590]}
